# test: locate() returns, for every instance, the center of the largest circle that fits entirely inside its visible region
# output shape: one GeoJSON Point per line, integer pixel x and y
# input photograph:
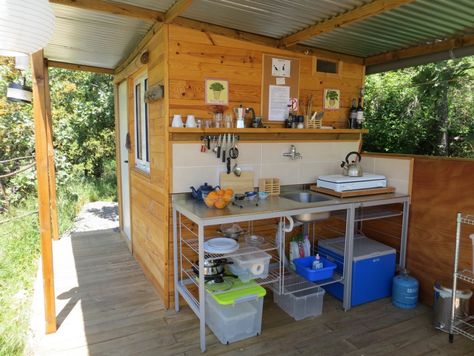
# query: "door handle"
{"type": "Point", "coordinates": [126, 161]}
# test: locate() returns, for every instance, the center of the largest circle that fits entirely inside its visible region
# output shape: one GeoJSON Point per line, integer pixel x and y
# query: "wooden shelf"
{"type": "Point", "coordinates": [268, 134]}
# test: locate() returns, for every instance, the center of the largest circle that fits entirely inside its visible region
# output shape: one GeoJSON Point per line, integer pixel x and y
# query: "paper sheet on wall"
{"type": "Point", "coordinates": [279, 97]}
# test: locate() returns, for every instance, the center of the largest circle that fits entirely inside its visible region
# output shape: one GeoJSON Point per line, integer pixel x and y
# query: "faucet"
{"type": "Point", "coordinates": [293, 154]}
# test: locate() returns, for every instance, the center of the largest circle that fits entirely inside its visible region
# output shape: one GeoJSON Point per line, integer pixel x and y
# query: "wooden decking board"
{"type": "Point", "coordinates": [111, 309]}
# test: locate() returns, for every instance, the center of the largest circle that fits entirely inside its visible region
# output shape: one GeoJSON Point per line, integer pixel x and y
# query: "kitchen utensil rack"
{"type": "Point", "coordinates": [269, 185]}
{"type": "Point", "coordinates": [460, 325]}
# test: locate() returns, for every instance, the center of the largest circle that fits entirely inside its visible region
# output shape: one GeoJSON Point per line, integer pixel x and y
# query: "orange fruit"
{"type": "Point", "coordinates": [212, 195]}
{"type": "Point", "coordinates": [227, 198]}
{"type": "Point", "coordinates": [221, 192]}
{"type": "Point", "coordinates": [229, 191]}
{"type": "Point", "coordinates": [209, 202]}
{"type": "Point", "coordinates": [220, 204]}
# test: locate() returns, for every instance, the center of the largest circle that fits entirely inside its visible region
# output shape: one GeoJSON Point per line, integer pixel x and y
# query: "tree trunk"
{"type": "Point", "coordinates": [443, 115]}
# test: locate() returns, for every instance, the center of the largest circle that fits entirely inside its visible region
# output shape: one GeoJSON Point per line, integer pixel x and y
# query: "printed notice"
{"type": "Point", "coordinates": [278, 103]}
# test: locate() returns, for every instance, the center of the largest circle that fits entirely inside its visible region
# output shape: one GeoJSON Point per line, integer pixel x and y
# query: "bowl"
{"type": "Point", "coordinates": [218, 198]}
{"type": "Point", "coordinates": [263, 195]}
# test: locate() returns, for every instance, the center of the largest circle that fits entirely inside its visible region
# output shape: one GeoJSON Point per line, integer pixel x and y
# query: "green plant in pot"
{"type": "Point", "coordinates": [216, 88]}
{"type": "Point", "coordinates": [332, 96]}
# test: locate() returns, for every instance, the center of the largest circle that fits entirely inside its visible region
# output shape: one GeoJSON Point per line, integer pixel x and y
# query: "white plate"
{"type": "Point", "coordinates": [221, 245]}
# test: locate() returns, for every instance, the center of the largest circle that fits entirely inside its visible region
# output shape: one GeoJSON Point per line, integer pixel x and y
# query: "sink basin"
{"type": "Point", "coordinates": [308, 197]}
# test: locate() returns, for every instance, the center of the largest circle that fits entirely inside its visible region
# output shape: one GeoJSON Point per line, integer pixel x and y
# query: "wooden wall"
{"type": "Point", "coordinates": [195, 56]}
{"type": "Point", "coordinates": [441, 187]}
{"type": "Point", "coordinates": [149, 196]}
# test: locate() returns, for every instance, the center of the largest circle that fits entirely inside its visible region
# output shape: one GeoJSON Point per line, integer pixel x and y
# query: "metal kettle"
{"type": "Point", "coordinates": [353, 169]}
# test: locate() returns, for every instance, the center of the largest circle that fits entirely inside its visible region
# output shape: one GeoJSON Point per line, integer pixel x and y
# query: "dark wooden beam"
{"type": "Point", "coordinates": [433, 47]}
{"type": "Point", "coordinates": [41, 119]}
{"type": "Point", "coordinates": [177, 9]}
{"type": "Point", "coordinates": [371, 9]}
{"type": "Point", "coordinates": [114, 8]}
{"type": "Point", "coordinates": [81, 67]}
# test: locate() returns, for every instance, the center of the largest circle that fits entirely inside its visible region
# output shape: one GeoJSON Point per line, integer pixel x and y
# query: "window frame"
{"type": "Point", "coordinates": [141, 123]}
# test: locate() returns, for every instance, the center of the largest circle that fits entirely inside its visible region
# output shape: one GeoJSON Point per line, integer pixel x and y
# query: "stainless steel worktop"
{"type": "Point", "coordinates": [272, 207]}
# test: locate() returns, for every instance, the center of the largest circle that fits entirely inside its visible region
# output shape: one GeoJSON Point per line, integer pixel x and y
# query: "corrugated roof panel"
{"type": "Point", "coordinates": [93, 38]}
{"type": "Point", "coordinates": [160, 5]}
{"type": "Point", "coordinates": [270, 18]}
{"type": "Point", "coordinates": [417, 23]}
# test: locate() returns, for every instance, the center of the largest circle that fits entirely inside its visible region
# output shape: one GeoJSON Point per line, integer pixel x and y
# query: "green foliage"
{"type": "Point", "coordinates": [332, 95]}
{"type": "Point", "coordinates": [426, 110]}
{"type": "Point", "coordinates": [216, 86]}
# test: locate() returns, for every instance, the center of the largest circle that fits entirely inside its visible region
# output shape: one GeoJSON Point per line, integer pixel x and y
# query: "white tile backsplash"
{"type": "Point", "coordinates": [192, 167]}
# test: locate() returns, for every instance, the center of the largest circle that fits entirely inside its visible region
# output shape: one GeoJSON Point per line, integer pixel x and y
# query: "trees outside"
{"type": "Point", "coordinates": [426, 110]}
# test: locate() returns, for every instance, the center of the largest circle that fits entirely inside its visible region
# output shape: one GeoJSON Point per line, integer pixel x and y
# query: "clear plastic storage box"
{"type": "Point", "coordinates": [235, 315]}
{"type": "Point", "coordinates": [300, 303]}
{"type": "Point", "coordinates": [253, 264]}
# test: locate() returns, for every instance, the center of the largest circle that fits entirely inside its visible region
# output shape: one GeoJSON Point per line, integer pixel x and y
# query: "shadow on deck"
{"type": "Point", "coordinates": [105, 305]}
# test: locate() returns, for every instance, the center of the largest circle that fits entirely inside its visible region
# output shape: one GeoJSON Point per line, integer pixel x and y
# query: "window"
{"type": "Point", "coordinates": [324, 66]}
{"type": "Point", "coordinates": [142, 151]}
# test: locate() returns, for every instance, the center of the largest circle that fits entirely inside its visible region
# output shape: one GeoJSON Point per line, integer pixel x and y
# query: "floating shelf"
{"type": "Point", "coordinates": [268, 134]}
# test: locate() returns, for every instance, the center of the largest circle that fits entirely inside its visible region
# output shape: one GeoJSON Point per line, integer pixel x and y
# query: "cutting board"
{"type": "Point", "coordinates": [240, 185]}
{"type": "Point", "coordinates": [352, 193]}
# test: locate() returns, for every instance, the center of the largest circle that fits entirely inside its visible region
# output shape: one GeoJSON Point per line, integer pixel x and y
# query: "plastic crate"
{"type": "Point", "coordinates": [304, 268]}
{"type": "Point", "coordinates": [235, 315]}
{"type": "Point", "coordinates": [301, 304]}
{"type": "Point", "coordinates": [250, 265]}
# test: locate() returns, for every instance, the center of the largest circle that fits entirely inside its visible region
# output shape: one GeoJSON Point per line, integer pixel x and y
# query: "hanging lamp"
{"type": "Point", "coordinates": [26, 26]}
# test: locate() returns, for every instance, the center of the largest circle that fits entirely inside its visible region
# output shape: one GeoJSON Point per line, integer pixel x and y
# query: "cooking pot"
{"type": "Point", "coordinates": [232, 231]}
{"type": "Point", "coordinates": [212, 268]}
{"type": "Point", "coordinates": [353, 169]}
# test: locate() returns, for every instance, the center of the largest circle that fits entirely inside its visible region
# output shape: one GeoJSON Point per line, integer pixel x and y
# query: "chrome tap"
{"type": "Point", "coordinates": [293, 154]}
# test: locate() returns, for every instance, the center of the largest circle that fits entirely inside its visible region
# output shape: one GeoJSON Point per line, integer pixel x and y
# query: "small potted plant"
{"type": "Point", "coordinates": [332, 96]}
{"type": "Point", "coordinates": [216, 88]}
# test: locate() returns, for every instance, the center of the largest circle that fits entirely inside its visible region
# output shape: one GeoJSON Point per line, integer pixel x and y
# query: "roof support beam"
{"type": "Point", "coordinates": [358, 14]}
{"type": "Point", "coordinates": [438, 46]}
{"type": "Point", "coordinates": [42, 125]}
{"type": "Point", "coordinates": [177, 9]}
{"type": "Point", "coordinates": [84, 68]}
{"type": "Point", "coordinates": [114, 8]}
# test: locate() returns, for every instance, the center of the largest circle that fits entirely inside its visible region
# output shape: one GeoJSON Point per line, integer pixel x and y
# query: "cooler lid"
{"type": "Point", "coordinates": [363, 247]}
{"type": "Point", "coordinates": [240, 290]}
{"type": "Point", "coordinates": [339, 178]}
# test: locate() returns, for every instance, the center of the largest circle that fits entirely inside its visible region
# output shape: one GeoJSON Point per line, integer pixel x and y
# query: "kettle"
{"type": "Point", "coordinates": [353, 169]}
{"type": "Point", "coordinates": [203, 189]}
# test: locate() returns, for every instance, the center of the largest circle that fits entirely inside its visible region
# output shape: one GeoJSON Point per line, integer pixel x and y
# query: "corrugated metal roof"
{"type": "Point", "coordinates": [93, 38]}
{"type": "Point", "coordinates": [275, 18]}
{"type": "Point", "coordinates": [99, 39]}
{"type": "Point", "coordinates": [419, 22]}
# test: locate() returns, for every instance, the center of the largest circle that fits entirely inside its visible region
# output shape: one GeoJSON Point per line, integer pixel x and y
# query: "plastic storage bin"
{"type": "Point", "coordinates": [300, 304]}
{"type": "Point", "coordinates": [237, 314]}
{"type": "Point", "coordinates": [304, 267]}
{"type": "Point", "coordinates": [253, 264]}
{"type": "Point", "coordinates": [373, 268]}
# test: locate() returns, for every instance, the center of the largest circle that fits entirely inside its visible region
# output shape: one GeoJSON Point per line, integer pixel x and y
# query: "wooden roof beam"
{"type": "Point", "coordinates": [114, 8]}
{"type": "Point", "coordinates": [84, 68]}
{"type": "Point", "coordinates": [371, 9]}
{"type": "Point", "coordinates": [176, 10]}
{"type": "Point", "coordinates": [434, 47]}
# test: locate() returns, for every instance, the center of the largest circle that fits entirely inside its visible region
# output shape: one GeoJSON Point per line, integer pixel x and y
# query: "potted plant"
{"type": "Point", "coordinates": [216, 88]}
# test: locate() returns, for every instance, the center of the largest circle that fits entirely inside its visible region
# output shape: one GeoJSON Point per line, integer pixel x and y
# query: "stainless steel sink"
{"type": "Point", "coordinates": [308, 197]}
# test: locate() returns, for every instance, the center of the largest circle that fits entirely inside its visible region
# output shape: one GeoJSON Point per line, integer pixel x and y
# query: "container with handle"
{"type": "Point", "coordinates": [352, 169]}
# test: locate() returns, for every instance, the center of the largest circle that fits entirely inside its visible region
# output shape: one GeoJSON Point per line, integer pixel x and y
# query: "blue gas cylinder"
{"type": "Point", "coordinates": [405, 291]}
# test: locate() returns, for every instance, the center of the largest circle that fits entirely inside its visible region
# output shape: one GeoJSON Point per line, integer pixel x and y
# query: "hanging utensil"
{"type": "Point", "coordinates": [219, 143]}
{"type": "Point", "coordinates": [234, 151]}
{"type": "Point", "coordinates": [228, 165]}
{"type": "Point", "coordinates": [224, 148]}
{"type": "Point", "coordinates": [203, 144]}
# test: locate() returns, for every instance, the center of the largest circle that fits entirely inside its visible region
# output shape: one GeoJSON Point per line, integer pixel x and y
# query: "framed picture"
{"type": "Point", "coordinates": [217, 92]}
{"type": "Point", "coordinates": [331, 99]}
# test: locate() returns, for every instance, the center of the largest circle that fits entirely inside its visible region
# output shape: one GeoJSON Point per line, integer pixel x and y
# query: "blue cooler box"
{"type": "Point", "coordinates": [373, 268]}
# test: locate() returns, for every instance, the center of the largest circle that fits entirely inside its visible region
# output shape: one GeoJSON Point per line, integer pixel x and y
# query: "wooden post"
{"type": "Point", "coordinates": [51, 166]}
{"type": "Point", "coordinates": [44, 193]}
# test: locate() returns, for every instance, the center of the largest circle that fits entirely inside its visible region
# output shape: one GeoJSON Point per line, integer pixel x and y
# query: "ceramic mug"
{"type": "Point", "coordinates": [190, 121]}
{"type": "Point", "coordinates": [177, 121]}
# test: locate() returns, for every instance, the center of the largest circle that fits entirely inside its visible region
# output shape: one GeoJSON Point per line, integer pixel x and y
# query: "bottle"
{"type": "Point", "coordinates": [317, 263]}
{"type": "Point", "coordinates": [353, 115]}
{"type": "Point", "coordinates": [307, 246]}
{"type": "Point", "coordinates": [360, 114]}
{"type": "Point", "coordinates": [300, 122]}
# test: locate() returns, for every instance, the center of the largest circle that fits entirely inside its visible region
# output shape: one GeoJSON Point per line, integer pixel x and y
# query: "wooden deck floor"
{"type": "Point", "coordinates": [107, 307]}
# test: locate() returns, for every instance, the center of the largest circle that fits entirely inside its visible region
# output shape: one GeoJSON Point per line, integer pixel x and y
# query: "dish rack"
{"type": "Point", "coordinates": [461, 325]}
{"type": "Point", "coordinates": [269, 185]}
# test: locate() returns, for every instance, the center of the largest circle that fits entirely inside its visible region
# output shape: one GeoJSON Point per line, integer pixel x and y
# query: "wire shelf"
{"type": "Point", "coordinates": [466, 275]}
{"type": "Point", "coordinates": [467, 219]}
{"type": "Point", "coordinates": [464, 327]}
{"type": "Point", "coordinates": [370, 213]}
{"type": "Point", "coordinates": [273, 277]}
{"type": "Point", "coordinates": [244, 249]}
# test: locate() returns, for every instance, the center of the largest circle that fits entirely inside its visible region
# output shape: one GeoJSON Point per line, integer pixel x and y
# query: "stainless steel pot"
{"type": "Point", "coordinates": [212, 268]}
{"type": "Point", "coordinates": [353, 169]}
{"type": "Point", "coordinates": [231, 231]}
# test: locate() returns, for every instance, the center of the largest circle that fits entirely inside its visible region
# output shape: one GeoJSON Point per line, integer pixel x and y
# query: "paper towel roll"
{"type": "Point", "coordinates": [257, 269]}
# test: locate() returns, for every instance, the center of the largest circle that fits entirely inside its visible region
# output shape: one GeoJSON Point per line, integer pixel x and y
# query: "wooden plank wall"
{"type": "Point", "coordinates": [195, 56]}
{"type": "Point", "coordinates": [441, 187]}
{"type": "Point", "coordinates": [149, 192]}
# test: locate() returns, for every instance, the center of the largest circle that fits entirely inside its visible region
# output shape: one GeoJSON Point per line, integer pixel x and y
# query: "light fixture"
{"type": "Point", "coordinates": [20, 92]}
{"type": "Point", "coordinates": [25, 26]}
